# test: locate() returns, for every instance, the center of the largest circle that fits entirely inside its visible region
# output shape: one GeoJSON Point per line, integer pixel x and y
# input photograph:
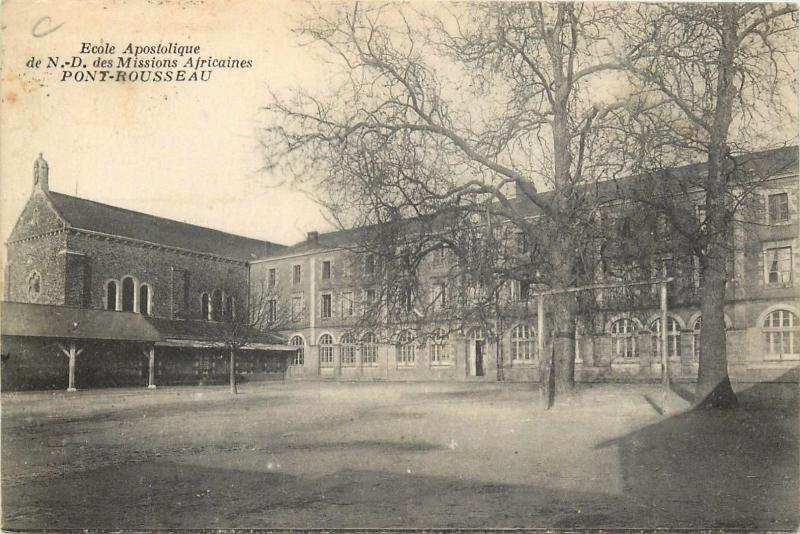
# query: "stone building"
{"type": "Point", "coordinates": [153, 284]}
{"type": "Point", "coordinates": [332, 282]}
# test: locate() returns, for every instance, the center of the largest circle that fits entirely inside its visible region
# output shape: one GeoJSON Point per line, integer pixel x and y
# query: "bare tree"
{"type": "Point", "coordinates": [719, 74]}
{"type": "Point", "coordinates": [262, 320]}
{"type": "Point", "coordinates": [435, 112]}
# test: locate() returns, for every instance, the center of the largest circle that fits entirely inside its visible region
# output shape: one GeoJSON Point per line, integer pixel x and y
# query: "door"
{"type": "Point", "coordinates": [479, 357]}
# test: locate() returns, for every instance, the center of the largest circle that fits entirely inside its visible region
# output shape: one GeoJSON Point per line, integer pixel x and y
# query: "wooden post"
{"type": "Point", "coordinates": [664, 338]}
{"type": "Point", "coordinates": [540, 344]}
{"type": "Point", "coordinates": [72, 353]}
{"type": "Point", "coordinates": [151, 368]}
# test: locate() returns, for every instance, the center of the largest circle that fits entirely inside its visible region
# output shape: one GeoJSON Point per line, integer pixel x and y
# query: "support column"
{"type": "Point", "coordinates": [664, 338]}
{"type": "Point", "coordinates": [72, 353]}
{"type": "Point", "coordinates": [151, 368]}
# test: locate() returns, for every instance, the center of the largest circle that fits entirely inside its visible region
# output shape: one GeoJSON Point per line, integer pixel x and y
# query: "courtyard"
{"type": "Point", "coordinates": [330, 454]}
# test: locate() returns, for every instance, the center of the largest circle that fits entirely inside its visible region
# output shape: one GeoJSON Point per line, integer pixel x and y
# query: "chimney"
{"type": "Point", "coordinates": [40, 173]}
{"type": "Point", "coordinates": [312, 237]}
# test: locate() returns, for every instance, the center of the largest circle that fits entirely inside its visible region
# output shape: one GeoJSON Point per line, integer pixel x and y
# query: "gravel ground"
{"type": "Point", "coordinates": [323, 454]}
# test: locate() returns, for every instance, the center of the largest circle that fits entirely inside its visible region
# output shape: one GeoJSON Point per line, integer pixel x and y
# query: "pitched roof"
{"type": "Point", "coordinates": [98, 217]}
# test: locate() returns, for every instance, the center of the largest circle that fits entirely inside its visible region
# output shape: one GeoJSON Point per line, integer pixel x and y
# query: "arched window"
{"type": "Point", "coordinates": [522, 344]}
{"type": "Point", "coordinates": [696, 338]}
{"type": "Point", "coordinates": [34, 284]}
{"type": "Point", "coordinates": [623, 338]}
{"type": "Point", "coordinates": [144, 299]}
{"type": "Point", "coordinates": [299, 356]}
{"type": "Point", "coordinates": [230, 308]}
{"type": "Point", "coordinates": [369, 349]}
{"type": "Point", "coordinates": [781, 330]}
{"type": "Point", "coordinates": [111, 295]}
{"type": "Point", "coordinates": [128, 293]}
{"type": "Point", "coordinates": [673, 338]}
{"type": "Point", "coordinates": [216, 305]}
{"type": "Point", "coordinates": [205, 301]}
{"type": "Point", "coordinates": [406, 351]}
{"type": "Point", "coordinates": [440, 353]}
{"type": "Point", "coordinates": [325, 350]}
{"type": "Point", "coordinates": [348, 349]}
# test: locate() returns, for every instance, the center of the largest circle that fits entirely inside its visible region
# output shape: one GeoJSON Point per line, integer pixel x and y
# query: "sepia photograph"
{"type": "Point", "coordinates": [278, 265]}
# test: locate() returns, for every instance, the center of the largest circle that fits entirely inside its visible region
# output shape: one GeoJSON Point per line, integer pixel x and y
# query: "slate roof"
{"type": "Point", "coordinates": [98, 217]}
{"type": "Point", "coordinates": [759, 164]}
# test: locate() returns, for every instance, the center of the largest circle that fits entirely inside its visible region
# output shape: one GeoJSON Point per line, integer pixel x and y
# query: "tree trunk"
{"type": "Point", "coordinates": [232, 371]}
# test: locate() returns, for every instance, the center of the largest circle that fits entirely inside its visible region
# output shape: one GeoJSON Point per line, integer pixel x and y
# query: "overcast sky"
{"type": "Point", "coordinates": [184, 151]}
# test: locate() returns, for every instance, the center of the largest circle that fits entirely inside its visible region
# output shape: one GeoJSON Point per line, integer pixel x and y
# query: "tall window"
{"type": "Point", "coordinates": [369, 264]}
{"type": "Point", "coordinates": [623, 338]}
{"type": "Point", "coordinates": [296, 274]}
{"type": "Point", "coordinates": [778, 265]}
{"type": "Point", "coordinates": [347, 304]}
{"type": "Point", "coordinates": [440, 353]}
{"type": "Point", "coordinates": [34, 284]}
{"type": "Point", "coordinates": [297, 308]}
{"type": "Point", "coordinates": [369, 298]}
{"type": "Point", "coordinates": [326, 270]}
{"type": "Point", "coordinates": [673, 338]}
{"type": "Point", "coordinates": [128, 292]}
{"type": "Point", "coordinates": [406, 299]}
{"type": "Point", "coordinates": [299, 356]}
{"type": "Point", "coordinates": [327, 305]}
{"type": "Point", "coordinates": [230, 308]}
{"type": "Point", "coordinates": [216, 305]}
{"type": "Point", "coordinates": [698, 324]}
{"type": "Point", "coordinates": [348, 350]}
{"type": "Point", "coordinates": [369, 349]}
{"type": "Point", "coordinates": [406, 351]}
{"type": "Point", "coordinates": [438, 296]}
{"type": "Point", "coordinates": [781, 336]}
{"type": "Point", "coordinates": [205, 303]}
{"type": "Point", "coordinates": [272, 310]}
{"type": "Point", "coordinates": [272, 278]}
{"type": "Point", "coordinates": [326, 350]}
{"type": "Point", "coordinates": [522, 344]}
{"type": "Point", "coordinates": [144, 299]}
{"type": "Point", "coordinates": [778, 208]}
{"type": "Point", "coordinates": [520, 291]}
{"type": "Point", "coordinates": [111, 295]}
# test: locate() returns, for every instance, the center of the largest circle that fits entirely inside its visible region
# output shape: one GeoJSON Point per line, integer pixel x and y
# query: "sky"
{"type": "Point", "coordinates": [187, 151]}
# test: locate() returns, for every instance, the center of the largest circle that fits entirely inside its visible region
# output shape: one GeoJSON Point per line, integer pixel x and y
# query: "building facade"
{"type": "Point", "coordinates": [129, 298]}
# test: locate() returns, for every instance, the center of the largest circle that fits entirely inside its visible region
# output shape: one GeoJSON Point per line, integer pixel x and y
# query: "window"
{"type": "Point", "coordinates": [296, 274]}
{"type": "Point", "coordinates": [440, 353]}
{"type": "Point", "coordinates": [230, 308]}
{"type": "Point", "coordinates": [624, 227]}
{"type": "Point", "coordinates": [369, 349]}
{"type": "Point", "coordinates": [406, 351]}
{"type": "Point", "coordinates": [522, 243]}
{"type": "Point", "coordinates": [326, 350]}
{"type": "Point", "coordinates": [778, 208]}
{"type": "Point", "coordinates": [406, 300]}
{"type": "Point", "coordinates": [348, 350]}
{"type": "Point", "coordinates": [326, 270]}
{"type": "Point", "coordinates": [623, 339]}
{"type": "Point", "coordinates": [299, 356]}
{"type": "Point", "coordinates": [781, 331]}
{"type": "Point", "coordinates": [272, 310]}
{"type": "Point", "coordinates": [272, 278]}
{"type": "Point", "coordinates": [520, 291]}
{"type": "Point", "coordinates": [128, 293]}
{"type": "Point", "coordinates": [216, 305]}
{"type": "Point", "coordinates": [696, 338]}
{"type": "Point", "coordinates": [522, 344]}
{"type": "Point", "coordinates": [327, 306]}
{"type": "Point", "coordinates": [34, 284]}
{"type": "Point", "coordinates": [144, 299]}
{"type": "Point", "coordinates": [700, 215]}
{"type": "Point", "coordinates": [673, 338]}
{"type": "Point", "coordinates": [438, 296]}
{"type": "Point", "coordinates": [205, 301]}
{"type": "Point", "coordinates": [111, 295]}
{"type": "Point", "coordinates": [369, 298]}
{"type": "Point", "coordinates": [297, 308]}
{"type": "Point", "coordinates": [369, 264]}
{"type": "Point", "coordinates": [778, 265]}
{"type": "Point", "coordinates": [347, 304]}
{"type": "Point", "coordinates": [697, 272]}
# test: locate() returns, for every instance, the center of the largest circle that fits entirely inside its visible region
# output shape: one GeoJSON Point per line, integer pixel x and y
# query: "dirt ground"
{"type": "Point", "coordinates": [385, 455]}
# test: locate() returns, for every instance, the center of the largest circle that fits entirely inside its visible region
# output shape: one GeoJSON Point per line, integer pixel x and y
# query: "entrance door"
{"type": "Point", "coordinates": [478, 357]}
